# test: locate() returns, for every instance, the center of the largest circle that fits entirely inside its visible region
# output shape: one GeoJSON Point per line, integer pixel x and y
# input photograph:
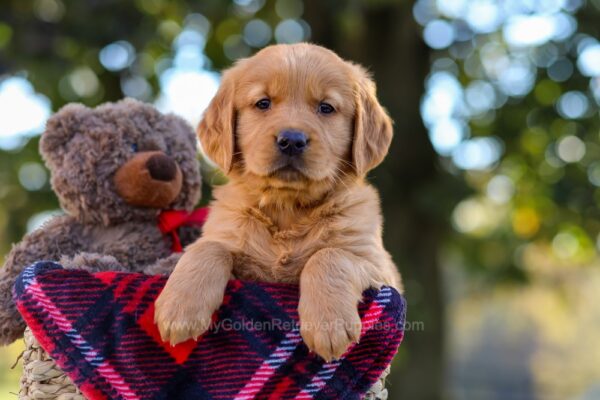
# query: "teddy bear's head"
{"type": "Point", "coordinates": [120, 162]}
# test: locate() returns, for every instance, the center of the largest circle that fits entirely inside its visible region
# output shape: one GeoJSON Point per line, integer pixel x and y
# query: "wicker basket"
{"type": "Point", "coordinates": [43, 379]}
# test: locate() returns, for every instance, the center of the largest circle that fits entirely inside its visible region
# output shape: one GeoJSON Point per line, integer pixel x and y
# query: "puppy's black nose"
{"type": "Point", "coordinates": [292, 143]}
{"type": "Point", "coordinates": [161, 167]}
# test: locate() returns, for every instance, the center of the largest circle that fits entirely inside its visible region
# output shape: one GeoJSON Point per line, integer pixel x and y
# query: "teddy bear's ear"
{"type": "Point", "coordinates": [60, 128]}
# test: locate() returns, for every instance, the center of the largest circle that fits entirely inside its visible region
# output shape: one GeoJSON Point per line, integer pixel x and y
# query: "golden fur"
{"type": "Point", "coordinates": [317, 224]}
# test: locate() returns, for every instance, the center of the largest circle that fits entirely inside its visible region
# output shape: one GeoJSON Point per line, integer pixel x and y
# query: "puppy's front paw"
{"type": "Point", "coordinates": [181, 316]}
{"type": "Point", "coordinates": [328, 331]}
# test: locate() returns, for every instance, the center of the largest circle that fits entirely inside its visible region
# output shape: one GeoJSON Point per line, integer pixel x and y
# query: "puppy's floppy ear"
{"type": "Point", "coordinates": [372, 125]}
{"type": "Point", "coordinates": [217, 128]}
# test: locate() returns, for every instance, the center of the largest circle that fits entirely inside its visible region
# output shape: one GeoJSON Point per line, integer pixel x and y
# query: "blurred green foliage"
{"type": "Point", "coordinates": [544, 189]}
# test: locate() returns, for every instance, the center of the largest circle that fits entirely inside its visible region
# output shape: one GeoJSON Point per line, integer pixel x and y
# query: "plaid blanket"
{"type": "Point", "coordinates": [99, 329]}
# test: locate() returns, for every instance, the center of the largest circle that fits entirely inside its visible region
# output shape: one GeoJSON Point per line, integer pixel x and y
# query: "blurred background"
{"type": "Point", "coordinates": [490, 191]}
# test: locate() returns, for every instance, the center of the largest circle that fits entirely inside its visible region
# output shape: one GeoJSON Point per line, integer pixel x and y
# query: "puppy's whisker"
{"type": "Point", "coordinates": [341, 174]}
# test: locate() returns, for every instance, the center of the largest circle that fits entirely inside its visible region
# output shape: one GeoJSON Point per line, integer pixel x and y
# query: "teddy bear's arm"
{"type": "Point", "coordinates": [91, 262]}
{"type": "Point", "coordinates": [50, 242]}
{"type": "Point", "coordinates": [163, 266]}
{"type": "Point", "coordinates": [188, 234]}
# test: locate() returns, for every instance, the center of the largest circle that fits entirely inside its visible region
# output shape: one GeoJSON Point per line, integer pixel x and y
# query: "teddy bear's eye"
{"type": "Point", "coordinates": [134, 147]}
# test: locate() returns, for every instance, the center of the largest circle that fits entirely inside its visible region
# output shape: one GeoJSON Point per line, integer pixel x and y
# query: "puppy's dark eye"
{"type": "Point", "coordinates": [134, 148]}
{"type": "Point", "coordinates": [326, 108]}
{"type": "Point", "coordinates": [263, 104]}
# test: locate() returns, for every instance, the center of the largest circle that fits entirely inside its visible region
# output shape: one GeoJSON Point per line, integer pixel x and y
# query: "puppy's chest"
{"type": "Point", "coordinates": [268, 253]}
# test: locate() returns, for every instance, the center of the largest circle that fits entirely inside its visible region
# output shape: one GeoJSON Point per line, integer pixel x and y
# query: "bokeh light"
{"type": "Point", "coordinates": [500, 189]}
{"type": "Point", "coordinates": [447, 134]}
{"type": "Point", "coordinates": [49, 10]}
{"type": "Point", "coordinates": [186, 85]}
{"type": "Point", "coordinates": [589, 60]}
{"type": "Point", "coordinates": [438, 34]}
{"type": "Point", "coordinates": [570, 149]}
{"type": "Point", "coordinates": [257, 33]}
{"type": "Point", "coordinates": [286, 9]}
{"type": "Point", "coordinates": [32, 176]}
{"type": "Point", "coordinates": [23, 112]}
{"type": "Point", "coordinates": [292, 31]}
{"type": "Point", "coordinates": [478, 153]}
{"type": "Point", "coordinates": [84, 82]}
{"type": "Point", "coordinates": [572, 105]}
{"type": "Point", "coordinates": [117, 56]}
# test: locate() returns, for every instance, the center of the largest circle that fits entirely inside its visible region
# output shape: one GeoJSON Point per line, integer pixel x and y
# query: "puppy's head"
{"type": "Point", "coordinates": [296, 118]}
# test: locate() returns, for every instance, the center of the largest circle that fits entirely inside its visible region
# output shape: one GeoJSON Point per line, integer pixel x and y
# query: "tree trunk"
{"type": "Point", "coordinates": [384, 37]}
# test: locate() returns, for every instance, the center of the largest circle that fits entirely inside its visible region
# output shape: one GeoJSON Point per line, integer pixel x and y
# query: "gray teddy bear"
{"type": "Point", "coordinates": [114, 169]}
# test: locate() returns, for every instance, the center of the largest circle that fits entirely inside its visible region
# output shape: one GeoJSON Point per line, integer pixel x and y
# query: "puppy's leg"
{"type": "Point", "coordinates": [193, 292]}
{"type": "Point", "coordinates": [331, 286]}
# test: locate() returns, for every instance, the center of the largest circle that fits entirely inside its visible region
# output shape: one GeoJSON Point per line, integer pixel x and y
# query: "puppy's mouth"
{"type": "Point", "coordinates": [288, 172]}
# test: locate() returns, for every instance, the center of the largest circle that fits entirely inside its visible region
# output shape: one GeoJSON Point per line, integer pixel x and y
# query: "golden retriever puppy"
{"type": "Point", "coordinates": [296, 129]}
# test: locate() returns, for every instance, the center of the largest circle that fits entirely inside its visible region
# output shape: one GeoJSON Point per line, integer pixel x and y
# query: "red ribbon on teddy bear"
{"type": "Point", "coordinates": [170, 220]}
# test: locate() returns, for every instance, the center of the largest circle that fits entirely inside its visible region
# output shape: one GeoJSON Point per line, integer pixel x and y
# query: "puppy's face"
{"type": "Point", "coordinates": [296, 117]}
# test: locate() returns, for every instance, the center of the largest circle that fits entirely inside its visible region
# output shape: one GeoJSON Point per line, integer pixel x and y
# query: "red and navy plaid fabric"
{"type": "Point", "coordinates": [99, 329]}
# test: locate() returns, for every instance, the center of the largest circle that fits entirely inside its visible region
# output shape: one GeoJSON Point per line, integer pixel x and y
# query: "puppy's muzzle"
{"type": "Point", "coordinates": [292, 143]}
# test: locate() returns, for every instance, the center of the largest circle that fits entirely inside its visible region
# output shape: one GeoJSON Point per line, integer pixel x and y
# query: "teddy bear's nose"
{"type": "Point", "coordinates": [161, 167]}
